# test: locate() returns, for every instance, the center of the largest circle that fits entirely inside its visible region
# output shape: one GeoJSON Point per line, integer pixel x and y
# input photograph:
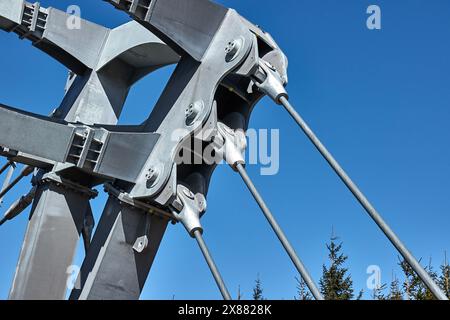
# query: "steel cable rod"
{"type": "Point", "coordinates": [7, 180]}
{"type": "Point", "coordinates": [27, 170]}
{"type": "Point", "coordinates": [398, 244]}
{"type": "Point", "coordinates": [280, 234]}
{"type": "Point", "coordinates": [6, 166]}
{"type": "Point", "coordinates": [212, 266]}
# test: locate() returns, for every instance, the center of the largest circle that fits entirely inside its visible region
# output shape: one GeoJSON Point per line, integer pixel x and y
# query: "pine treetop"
{"type": "Point", "coordinates": [258, 290]}
{"type": "Point", "coordinates": [335, 283]}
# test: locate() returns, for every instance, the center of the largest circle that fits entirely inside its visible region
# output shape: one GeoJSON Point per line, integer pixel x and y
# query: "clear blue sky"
{"type": "Point", "coordinates": [380, 101]}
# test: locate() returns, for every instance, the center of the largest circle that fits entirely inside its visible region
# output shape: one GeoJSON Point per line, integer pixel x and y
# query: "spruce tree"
{"type": "Point", "coordinates": [395, 292]}
{"type": "Point", "coordinates": [360, 294]}
{"type": "Point", "coordinates": [412, 283]}
{"type": "Point", "coordinates": [426, 293]}
{"type": "Point", "coordinates": [258, 290]}
{"type": "Point", "coordinates": [413, 286]}
{"type": "Point", "coordinates": [239, 295]}
{"type": "Point", "coordinates": [444, 279]}
{"type": "Point", "coordinates": [378, 292]}
{"type": "Point", "coordinates": [302, 290]}
{"type": "Point", "coordinates": [335, 283]}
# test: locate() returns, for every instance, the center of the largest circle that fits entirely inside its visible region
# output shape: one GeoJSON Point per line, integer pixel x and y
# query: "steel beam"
{"type": "Point", "coordinates": [35, 135]}
{"type": "Point", "coordinates": [50, 243]}
{"type": "Point", "coordinates": [188, 26]}
{"type": "Point", "coordinates": [117, 264]}
{"type": "Point", "coordinates": [96, 150]}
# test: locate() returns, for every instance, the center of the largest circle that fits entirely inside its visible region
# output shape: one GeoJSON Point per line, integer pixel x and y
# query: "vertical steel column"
{"type": "Point", "coordinates": [373, 213]}
{"type": "Point", "coordinates": [51, 240]}
{"type": "Point", "coordinates": [113, 269]}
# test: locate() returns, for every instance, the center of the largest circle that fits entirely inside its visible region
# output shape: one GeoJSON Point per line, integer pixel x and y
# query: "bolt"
{"type": "Point", "coordinates": [192, 112]}
{"type": "Point", "coordinates": [188, 193]}
{"type": "Point", "coordinates": [233, 49]}
{"type": "Point", "coordinates": [151, 176]}
{"type": "Point", "coordinates": [230, 47]}
{"type": "Point", "coordinates": [141, 244]}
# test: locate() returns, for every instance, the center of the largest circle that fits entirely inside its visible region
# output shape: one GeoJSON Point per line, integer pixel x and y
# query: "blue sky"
{"type": "Point", "coordinates": [378, 99]}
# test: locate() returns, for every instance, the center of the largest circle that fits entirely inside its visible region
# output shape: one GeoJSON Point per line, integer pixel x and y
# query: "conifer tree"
{"type": "Point", "coordinates": [258, 290]}
{"type": "Point", "coordinates": [378, 292]}
{"type": "Point", "coordinates": [335, 283]}
{"type": "Point", "coordinates": [444, 279]}
{"type": "Point", "coordinates": [395, 292]}
{"type": "Point", "coordinates": [411, 283]}
{"type": "Point", "coordinates": [426, 293]}
{"type": "Point", "coordinates": [413, 286]}
{"type": "Point", "coordinates": [360, 294]}
{"type": "Point", "coordinates": [239, 295]}
{"type": "Point", "coordinates": [302, 290]}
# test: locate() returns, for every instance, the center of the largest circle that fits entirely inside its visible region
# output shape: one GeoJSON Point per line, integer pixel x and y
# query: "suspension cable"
{"type": "Point", "coordinates": [212, 266]}
{"type": "Point", "coordinates": [27, 170]}
{"type": "Point", "coordinates": [280, 234]}
{"type": "Point", "coordinates": [9, 174]}
{"type": "Point", "coordinates": [6, 166]}
{"type": "Point", "coordinates": [191, 206]}
{"type": "Point", "coordinates": [398, 244]}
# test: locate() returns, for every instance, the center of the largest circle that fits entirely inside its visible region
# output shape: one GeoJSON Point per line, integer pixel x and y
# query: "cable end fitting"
{"type": "Point", "coordinates": [232, 145]}
{"type": "Point", "coordinates": [270, 82]}
{"type": "Point", "coordinates": [193, 208]}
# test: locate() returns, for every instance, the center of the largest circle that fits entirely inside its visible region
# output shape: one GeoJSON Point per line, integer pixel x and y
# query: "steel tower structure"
{"type": "Point", "coordinates": [225, 65]}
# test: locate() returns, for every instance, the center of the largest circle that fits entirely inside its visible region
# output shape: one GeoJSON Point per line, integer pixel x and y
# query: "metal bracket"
{"type": "Point", "coordinates": [142, 242]}
{"type": "Point", "coordinates": [270, 82]}
{"type": "Point", "coordinates": [193, 206]}
{"type": "Point", "coordinates": [231, 144]}
{"type": "Point", "coordinates": [148, 208]}
{"type": "Point", "coordinates": [52, 177]}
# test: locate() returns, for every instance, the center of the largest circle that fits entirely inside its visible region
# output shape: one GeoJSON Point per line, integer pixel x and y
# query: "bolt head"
{"type": "Point", "coordinates": [230, 46]}
{"type": "Point", "coordinates": [152, 176]}
{"type": "Point", "coordinates": [233, 49]}
{"type": "Point", "coordinates": [192, 112]}
{"type": "Point", "coordinates": [188, 193]}
{"type": "Point", "coordinates": [141, 244]}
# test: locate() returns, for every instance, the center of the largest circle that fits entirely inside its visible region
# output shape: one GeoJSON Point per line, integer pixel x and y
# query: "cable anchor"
{"type": "Point", "coordinates": [193, 207]}
{"type": "Point", "coordinates": [270, 82]}
{"type": "Point", "coordinates": [231, 144]}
